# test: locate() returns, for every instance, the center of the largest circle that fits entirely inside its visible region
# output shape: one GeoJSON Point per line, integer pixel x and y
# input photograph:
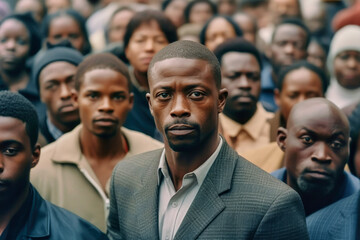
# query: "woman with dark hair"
{"type": "Point", "coordinates": [199, 11]}
{"type": "Point", "coordinates": [19, 40]}
{"type": "Point", "coordinates": [174, 10]}
{"type": "Point", "coordinates": [146, 34]}
{"type": "Point", "coordinates": [67, 25]}
{"type": "Point", "coordinates": [217, 30]}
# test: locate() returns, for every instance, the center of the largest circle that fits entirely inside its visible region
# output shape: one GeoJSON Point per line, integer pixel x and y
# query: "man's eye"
{"type": "Point", "coordinates": [163, 95]}
{"type": "Point", "coordinates": [10, 151]}
{"type": "Point", "coordinates": [307, 139]}
{"type": "Point", "coordinates": [336, 144]}
{"type": "Point", "coordinates": [93, 96]}
{"type": "Point", "coordinates": [196, 95]}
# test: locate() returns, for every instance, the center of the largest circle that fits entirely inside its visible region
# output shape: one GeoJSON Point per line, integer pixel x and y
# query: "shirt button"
{"type": "Point", "coordinates": [174, 204]}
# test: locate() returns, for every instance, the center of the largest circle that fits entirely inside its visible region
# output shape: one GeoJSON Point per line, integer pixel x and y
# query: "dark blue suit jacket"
{"type": "Point", "coordinates": [337, 221]}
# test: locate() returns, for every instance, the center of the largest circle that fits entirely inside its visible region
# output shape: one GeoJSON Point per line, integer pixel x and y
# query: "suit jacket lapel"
{"type": "Point", "coordinates": [147, 201]}
{"type": "Point", "coordinates": [208, 204]}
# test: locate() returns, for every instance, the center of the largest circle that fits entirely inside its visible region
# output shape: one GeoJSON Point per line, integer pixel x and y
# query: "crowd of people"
{"type": "Point", "coordinates": [180, 119]}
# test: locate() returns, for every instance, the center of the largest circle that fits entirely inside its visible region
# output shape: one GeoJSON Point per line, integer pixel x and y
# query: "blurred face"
{"type": "Point", "coordinates": [316, 147]}
{"type": "Point", "coordinates": [357, 158]}
{"type": "Point", "coordinates": [175, 12]}
{"type": "Point", "coordinates": [241, 76]}
{"type": "Point", "coordinates": [118, 25]}
{"type": "Point", "coordinates": [218, 31]}
{"type": "Point", "coordinates": [200, 13]}
{"type": "Point", "coordinates": [57, 89]}
{"type": "Point", "coordinates": [316, 55]}
{"type": "Point", "coordinates": [298, 85]}
{"type": "Point", "coordinates": [14, 45]}
{"type": "Point", "coordinates": [65, 27]}
{"type": "Point", "coordinates": [33, 6]}
{"type": "Point", "coordinates": [227, 7]}
{"type": "Point", "coordinates": [16, 159]}
{"type": "Point", "coordinates": [144, 43]}
{"type": "Point", "coordinates": [347, 69]}
{"type": "Point", "coordinates": [185, 103]}
{"type": "Point", "coordinates": [104, 101]}
{"type": "Point", "coordinates": [247, 26]}
{"type": "Point", "coordinates": [56, 5]}
{"type": "Point", "coordinates": [288, 45]}
{"type": "Point", "coordinates": [281, 9]}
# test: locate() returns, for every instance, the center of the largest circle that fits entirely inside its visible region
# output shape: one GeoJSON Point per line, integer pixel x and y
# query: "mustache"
{"type": "Point", "coordinates": [243, 94]}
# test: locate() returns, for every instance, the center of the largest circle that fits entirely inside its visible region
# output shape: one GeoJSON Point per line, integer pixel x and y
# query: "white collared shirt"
{"type": "Point", "coordinates": [173, 206]}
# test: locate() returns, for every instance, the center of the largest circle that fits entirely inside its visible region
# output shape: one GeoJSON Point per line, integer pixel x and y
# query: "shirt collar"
{"type": "Point", "coordinates": [200, 173]}
{"type": "Point", "coordinates": [253, 127]}
{"type": "Point", "coordinates": [54, 131]}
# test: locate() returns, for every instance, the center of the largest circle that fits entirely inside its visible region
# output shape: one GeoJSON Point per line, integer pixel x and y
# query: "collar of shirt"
{"type": "Point", "coordinates": [54, 131]}
{"type": "Point", "coordinates": [200, 173]}
{"type": "Point", "coordinates": [253, 127]}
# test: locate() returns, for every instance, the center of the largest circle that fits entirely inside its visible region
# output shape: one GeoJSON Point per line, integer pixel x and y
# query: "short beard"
{"type": "Point", "coordinates": [315, 189]}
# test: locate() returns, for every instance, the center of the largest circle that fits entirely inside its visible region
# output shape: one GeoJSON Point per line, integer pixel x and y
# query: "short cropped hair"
{"type": "Point", "coordinates": [100, 61]}
{"type": "Point", "coordinates": [17, 106]}
{"type": "Point", "coordinates": [238, 44]}
{"type": "Point", "coordinates": [235, 26]}
{"type": "Point", "coordinates": [303, 64]}
{"type": "Point", "coordinates": [191, 4]}
{"type": "Point", "coordinates": [189, 50]}
{"type": "Point", "coordinates": [166, 26]}
{"type": "Point", "coordinates": [297, 22]}
{"type": "Point", "coordinates": [354, 120]}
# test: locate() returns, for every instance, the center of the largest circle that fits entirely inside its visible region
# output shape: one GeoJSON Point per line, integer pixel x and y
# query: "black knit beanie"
{"type": "Point", "coordinates": [56, 54]}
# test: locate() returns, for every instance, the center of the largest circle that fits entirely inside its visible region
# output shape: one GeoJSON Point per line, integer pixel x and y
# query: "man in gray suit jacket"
{"type": "Point", "coordinates": [197, 187]}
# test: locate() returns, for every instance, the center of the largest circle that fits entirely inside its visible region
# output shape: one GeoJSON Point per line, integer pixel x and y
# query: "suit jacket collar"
{"type": "Point", "coordinates": [205, 207]}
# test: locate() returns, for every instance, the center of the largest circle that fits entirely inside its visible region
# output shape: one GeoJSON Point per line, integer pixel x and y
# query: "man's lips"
{"type": "Point", "coordinates": [105, 121]}
{"type": "Point", "coordinates": [180, 129]}
{"type": "Point", "coordinates": [67, 108]}
{"type": "Point", "coordinates": [3, 185]}
{"type": "Point", "coordinates": [318, 173]}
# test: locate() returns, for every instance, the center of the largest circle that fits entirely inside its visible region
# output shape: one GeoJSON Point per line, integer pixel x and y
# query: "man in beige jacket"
{"type": "Point", "coordinates": [74, 171]}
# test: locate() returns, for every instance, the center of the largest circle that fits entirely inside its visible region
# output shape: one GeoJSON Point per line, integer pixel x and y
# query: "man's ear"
{"type": "Point", "coordinates": [223, 93]}
{"type": "Point", "coordinates": [281, 138]}
{"type": "Point", "coordinates": [35, 155]}
{"type": "Point", "coordinates": [131, 100]}
{"type": "Point", "coordinates": [149, 102]}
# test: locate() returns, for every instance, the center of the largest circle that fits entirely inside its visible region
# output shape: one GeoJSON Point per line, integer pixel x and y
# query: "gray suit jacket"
{"type": "Point", "coordinates": [237, 200]}
{"type": "Point", "coordinates": [337, 221]}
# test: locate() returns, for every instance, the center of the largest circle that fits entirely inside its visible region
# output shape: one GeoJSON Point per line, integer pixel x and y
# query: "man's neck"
{"type": "Point", "coordinates": [181, 163]}
{"type": "Point", "coordinates": [10, 208]}
{"type": "Point", "coordinates": [142, 79]}
{"type": "Point", "coordinates": [240, 117]}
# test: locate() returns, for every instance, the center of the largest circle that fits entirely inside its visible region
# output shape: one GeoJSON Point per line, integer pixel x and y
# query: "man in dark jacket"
{"type": "Point", "coordinates": [24, 214]}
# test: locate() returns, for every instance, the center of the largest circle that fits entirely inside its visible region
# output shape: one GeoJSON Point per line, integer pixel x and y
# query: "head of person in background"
{"type": "Point", "coordinates": [247, 24]}
{"type": "Point", "coordinates": [317, 53]}
{"type": "Point", "coordinates": [53, 6]}
{"type": "Point", "coordinates": [282, 9]}
{"type": "Point", "coordinates": [289, 44]}
{"type": "Point", "coordinates": [147, 33]}
{"type": "Point", "coordinates": [19, 40]}
{"type": "Point", "coordinates": [343, 63]}
{"type": "Point", "coordinates": [296, 83]}
{"type": "Point", "coordinates": [244, 123]}
{"type": "Point", "coordinates": [54, 76]}
{"type": "Point", "coordinates": [258, 9]}
{"type": "Point", "coordinates": [354, 158]}
{"type": "Point", "coordinates": [227, 7]}
{"type": "Point", "coordinates": [36, 7]}
{"type": "Point", "coordinates": [199, 11]}
{"type": "Point", "coordinates": [316, 148]}
{"type": "Point", "coordinates": [190, 31]}
{"type": "Point", "coordinates": [115, 30]}
{"type": "Point", "coordinates": [174, 10]}
{"type": "Point", "coordinates": [67, 24]}
{"type": "Point", "coordinates": [217, 30]}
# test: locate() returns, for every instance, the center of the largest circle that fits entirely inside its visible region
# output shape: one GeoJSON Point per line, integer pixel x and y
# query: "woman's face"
{"type": "Point", "coordinates": [144, 43]}
{"type": "Point", "coordinates": [347, 69]}
{"type": "Point", "coordinates": [65, 27]}
{"type": "Point", "coordinates": [218, 31]}
{"type": "Point", "coordinates": [14, 45]}
{"type": "Point", "coordinates": [175, 12]}
{"type": "Point", "coordinates": [118, 25]}
{"type": "Point", "coordinates": [200, 13]}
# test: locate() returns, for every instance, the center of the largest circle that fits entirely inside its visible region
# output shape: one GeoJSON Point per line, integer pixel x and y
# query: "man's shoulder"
{"type": "Point", "coordinates": [59, 223]}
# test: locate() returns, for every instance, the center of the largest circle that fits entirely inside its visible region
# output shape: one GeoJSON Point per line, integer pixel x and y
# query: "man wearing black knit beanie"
{"type": "Point", "coordinates": [53, 74]}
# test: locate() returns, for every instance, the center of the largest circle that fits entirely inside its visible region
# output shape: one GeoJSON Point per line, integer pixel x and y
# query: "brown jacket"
{"type": "Point", "coordinates": [65, 178]}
